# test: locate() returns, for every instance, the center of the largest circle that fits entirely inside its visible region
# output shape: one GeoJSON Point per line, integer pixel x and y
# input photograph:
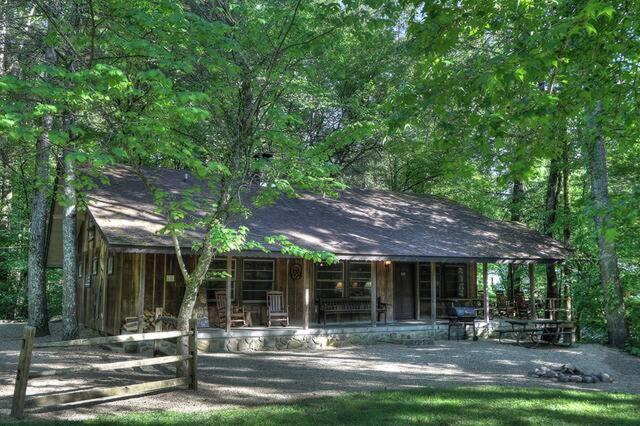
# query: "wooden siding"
{"type": "Point", "coordinates": [113, 297]}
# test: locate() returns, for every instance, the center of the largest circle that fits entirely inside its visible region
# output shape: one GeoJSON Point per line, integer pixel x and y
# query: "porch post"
{"type": "Point", "coordinates": [485, 286]}
{"type": "Point", "coordinates": [305, 281]}
{"type": "Point", "coordinates": [433, 292]}
{"type": "Point", "coordinates": [141, 278]}
{"type": "Point", "coordinates": [417, 292]}
{"type": "Point", "coordinates": [228, 294]}
{"type": "Point", "coordinates": [532, 290]}
{"type": "Point", "coordinates": [374, 295]}
{"type": "Point", "coordinates": [512, 284]}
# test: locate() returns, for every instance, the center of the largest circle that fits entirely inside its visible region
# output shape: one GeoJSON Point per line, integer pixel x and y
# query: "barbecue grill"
{"type": "Point", "coordinates": [459, 318]}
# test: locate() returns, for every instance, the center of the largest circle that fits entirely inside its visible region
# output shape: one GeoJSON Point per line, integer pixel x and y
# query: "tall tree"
{"type": "Point", "coordinates": [36, 285]}
{"type": "Point", "coordinates": [595, 153]}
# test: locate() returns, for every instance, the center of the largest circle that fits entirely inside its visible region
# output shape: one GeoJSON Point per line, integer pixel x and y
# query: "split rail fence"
{"type": "Point", "coordinates": [20, 401]}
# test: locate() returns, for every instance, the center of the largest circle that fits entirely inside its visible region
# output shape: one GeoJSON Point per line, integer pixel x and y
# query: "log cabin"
{"type": "Point", "coordinates": [415, 254]}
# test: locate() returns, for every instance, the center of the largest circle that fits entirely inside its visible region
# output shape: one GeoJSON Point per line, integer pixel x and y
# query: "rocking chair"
{"type": "Point", "coordinates": [503, 307]}
{"type": "Point", "coordinates": [276, 311]}
{"type": "Point", "coordinates": [237, 312]}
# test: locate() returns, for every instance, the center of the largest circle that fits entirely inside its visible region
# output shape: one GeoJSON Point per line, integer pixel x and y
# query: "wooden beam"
{"type": "Point", "coordinates": [141, 278]}
{"type": "Point", "coordinates": [417, 291]}
{"type": "Point", "coordinates": [532, 291]}
{"type": "Point", "coordinates": [120, 365]}
{"type": "Point", "coordinates": [138, 337]}
{"type": "Point", "coordinates": [485, 286]}
{"type": "Point", "coordinates": [84, 395]}
{"type": "Point", "coordinates": [433, 293]}
{"type": "Point", "coordinates": [512, 283]}
{"type": "Point", "coordinates": [228, 294]}
{"type": "Point", "coordinates": [22, 375]}
{"type": "Point", "coordinates": [305, 282]}
{"type": "Point", "coordinates": [374, 294]}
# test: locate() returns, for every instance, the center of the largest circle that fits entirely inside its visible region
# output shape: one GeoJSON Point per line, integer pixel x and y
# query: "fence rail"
{"type": "Point", "coordinates": [23, 374]}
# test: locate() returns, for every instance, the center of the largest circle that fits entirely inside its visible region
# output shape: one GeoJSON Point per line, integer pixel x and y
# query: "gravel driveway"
{"type": "Point", "coordinates": [234, 379]}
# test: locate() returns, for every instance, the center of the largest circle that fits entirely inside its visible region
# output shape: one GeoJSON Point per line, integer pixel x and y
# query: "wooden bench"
{"type": "Point", "coordinates": [348, 306]}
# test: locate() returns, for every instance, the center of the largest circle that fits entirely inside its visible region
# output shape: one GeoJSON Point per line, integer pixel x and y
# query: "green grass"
{"type": "Point", "coordinates": [450, 406]}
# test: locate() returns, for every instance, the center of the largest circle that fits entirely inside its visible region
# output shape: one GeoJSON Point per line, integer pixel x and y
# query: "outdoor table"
{"type": "Point", "coordinates": [547, 329]}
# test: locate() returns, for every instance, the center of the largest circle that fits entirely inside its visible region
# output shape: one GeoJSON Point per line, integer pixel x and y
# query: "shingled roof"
{"type": "Point", "coordinates": [359, 224]}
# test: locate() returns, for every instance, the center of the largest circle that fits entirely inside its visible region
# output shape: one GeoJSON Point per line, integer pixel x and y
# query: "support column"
{"type": "Point", "coordinates": [141, 278]}
{"type": "Point", "coordinates": [433, 293]}
{"type": "Point", "coordinates": [485, 286]}
{"type": "Point", "coordinates": [305, 281]}
{"type": "Point", "coordinates": [512, 284]}
{"type": "Point", "coordinates": [374, 294]}
{"type": "Point", "coordinates": [227, 311]}
{"type": "Point", "coordinates": [532, 291]}
{"type": "Point", "coordinates": [417, 291]}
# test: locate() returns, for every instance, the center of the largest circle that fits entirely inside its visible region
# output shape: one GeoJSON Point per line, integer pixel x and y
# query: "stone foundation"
{"type": "Point", "coordinates": [272, 339]}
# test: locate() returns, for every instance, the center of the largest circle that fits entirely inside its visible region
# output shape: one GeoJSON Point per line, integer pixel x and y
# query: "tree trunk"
{"type": "Point", "coordinates": [193, 281]}
{"type": "Point", "coordinates": [596, 156]}
{"type": "Point", "coordinates": [517, 195]}
{"type": "Point", "coordinates": [69, 249]}
{"type": "Point", "coordinates": [550, 215]}
{"type": "Point", "coordinates": [36, 285]}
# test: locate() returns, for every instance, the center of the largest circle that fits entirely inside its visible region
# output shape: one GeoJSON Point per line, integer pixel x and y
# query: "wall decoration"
{"type": "Point", "coordinates": [295, 270]}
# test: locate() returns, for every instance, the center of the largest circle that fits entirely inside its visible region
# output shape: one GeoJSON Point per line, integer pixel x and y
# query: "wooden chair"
{"type": "Point", "coordinates": [237, 312]}
{"type": "Point", "coordinates": [276, 310]}
{"type": "Point", "coordinates": [522, 306]}
{"type": "Point", "coordinates": [503, 307]}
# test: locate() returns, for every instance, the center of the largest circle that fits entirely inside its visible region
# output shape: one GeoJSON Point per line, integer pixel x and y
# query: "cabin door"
{"type": "Point", "coordinates": [403, 290]}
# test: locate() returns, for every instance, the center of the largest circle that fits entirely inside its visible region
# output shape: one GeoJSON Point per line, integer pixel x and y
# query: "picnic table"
{"type": "Point", "coordinates": [538, 330]}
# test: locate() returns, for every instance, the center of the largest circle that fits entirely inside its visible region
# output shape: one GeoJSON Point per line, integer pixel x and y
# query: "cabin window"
{"type": "Point", "coordinates": [91, 232]}
{"type": "Point", "coordinates": [94, 265]}
{"type": "Point", "coordinates": [359, 279]}
{"type": "Point", "coordinates": [424, 278]}
{"type": "Point", "coordinates": [216, 280]}
{"type": "Point", "coordinates": [110, 265]}
{"type": "Point", "coordinates": [455, 281]}
{"type": "Point", "coordinates": [257, 279]}
{"type": "Point", "coordinates": [329, 280]}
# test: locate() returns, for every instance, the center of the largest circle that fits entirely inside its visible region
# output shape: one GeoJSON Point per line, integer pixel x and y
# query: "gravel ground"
{"type": "Point", "coordinates": [232, 379]}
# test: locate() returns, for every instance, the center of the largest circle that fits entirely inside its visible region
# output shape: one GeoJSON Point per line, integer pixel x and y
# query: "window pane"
{"type": "Point", "coordinates": [257, 279]}
{"type": "Point", "coordinates": [359, 279]}
{"type": "Point", "coordinates": [424, 274]}
{"type": "Point", "coordinates": [329, 280]}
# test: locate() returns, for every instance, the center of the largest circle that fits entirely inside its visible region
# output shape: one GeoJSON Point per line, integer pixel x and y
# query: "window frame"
{"type": "Point", "coordinates": [348, 279]}
{"type": "Point", "coordinates": [244, 281]}
{"type": "Point", "coordinates": [316, 269]}
{"type": "Point", "coordinates": [439, 281]}
{"type": "Point", "coordinates": [234, 278]}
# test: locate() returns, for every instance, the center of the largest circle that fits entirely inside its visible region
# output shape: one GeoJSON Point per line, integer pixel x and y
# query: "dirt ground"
{"type": "Point", "coordinates": [244, 379]}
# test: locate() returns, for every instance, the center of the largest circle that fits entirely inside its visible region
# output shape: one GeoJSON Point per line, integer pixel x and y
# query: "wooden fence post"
{"type": "Point", "coordinates": [22, 376]}
{"type": "Point", "coordinates": [158, 328]}
{"type": "Point", "coordinates": [193, 351]}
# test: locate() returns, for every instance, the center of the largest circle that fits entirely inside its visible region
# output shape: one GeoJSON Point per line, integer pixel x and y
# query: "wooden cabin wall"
{"type": "Point", "coordinates": [91, 285]}
{"type": "Point", "coordinates": [113, 297]}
